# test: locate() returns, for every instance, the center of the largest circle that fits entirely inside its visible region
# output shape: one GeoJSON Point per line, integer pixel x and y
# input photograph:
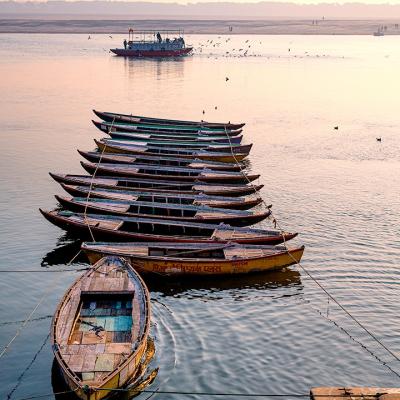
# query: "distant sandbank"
{"type": "Point", "coordinates": [199, 26]}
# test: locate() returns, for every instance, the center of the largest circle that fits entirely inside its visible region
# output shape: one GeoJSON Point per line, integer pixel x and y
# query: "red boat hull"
{"type": "Point", "coordinates": [153, 53]}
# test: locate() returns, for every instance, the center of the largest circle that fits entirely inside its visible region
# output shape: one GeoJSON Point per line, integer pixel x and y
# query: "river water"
{"type": "Point", "coordinates": [274, 333]}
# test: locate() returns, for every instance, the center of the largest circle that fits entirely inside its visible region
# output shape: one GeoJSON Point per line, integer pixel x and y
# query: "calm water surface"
{"type": "Point", "coordinates": [270, 333]}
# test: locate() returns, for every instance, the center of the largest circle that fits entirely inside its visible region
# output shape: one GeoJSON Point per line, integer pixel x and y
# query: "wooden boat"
{"type": "Point", "coordinates": [176, 129]}
{"type": "Point", "coordinates": [121, 127]}
{"type": "Point", "coordinates": [95, 156]}
{"type": "Point", "coordinates": [177, 212]}
{"type": "Point", "coordinates": [197, 259]}
{"type": "Point", "coordinates": [114, 228]}
{"type": "Point", "coordinates": [236, 203]}
{"type": "Point", "coordinates": [129, 118]}
{"type": "Point", "coordinates": [153, 44]}
{"type": "Point", "coordinates": [100, 328]}
{"type": "Point", "coordinates": [173, 146]}
{"type": "Point", "coordinates": [153, 185]}
{"type": "Point", "coordinates": [145, 137]}
{"type": "Point", "coordinates": [118, 147]}
{"type": "Point", "coordinates": [353, 393]}
{"type": "Point", "coordinates": [130, 131]}
{"type": "Point", "coordinates": [147, 171]}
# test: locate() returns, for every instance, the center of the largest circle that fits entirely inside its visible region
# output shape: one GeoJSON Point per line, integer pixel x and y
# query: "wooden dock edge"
{"type": "Point", "coordinates": [354, 393]}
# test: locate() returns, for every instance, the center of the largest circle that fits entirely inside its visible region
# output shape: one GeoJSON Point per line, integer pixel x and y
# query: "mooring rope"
{"type": "Point", "coordinates": [276, 223]}
{"type": "Point", "coordinates": [91, 184]}
{"type": "Point", "coordinates": [28, 367]}
{"type": "Point", "coordinates": [28, 318]}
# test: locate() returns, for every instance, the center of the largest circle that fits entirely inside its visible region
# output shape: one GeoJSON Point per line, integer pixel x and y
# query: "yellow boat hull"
{"type": "Point", "coordinates": [205, 267]}
{"type": "Point", "coordinates": [116, 381]}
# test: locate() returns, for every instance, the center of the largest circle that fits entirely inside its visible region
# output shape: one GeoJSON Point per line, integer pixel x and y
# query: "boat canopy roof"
{"type": "Point", "coordinates": [144, 36]}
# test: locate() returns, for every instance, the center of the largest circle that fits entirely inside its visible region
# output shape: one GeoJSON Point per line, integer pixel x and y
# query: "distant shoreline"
{"type": "Point", "coordinates": [200, 26]}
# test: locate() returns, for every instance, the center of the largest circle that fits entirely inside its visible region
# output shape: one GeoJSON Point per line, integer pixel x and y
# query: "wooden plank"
{"type": "Point", "coordinates": [89, 362]}
{"type": "Point", "coordinates": [367, 393]}
{"type": "Point", "coordinates": [87, 376]}
{"type": "Point", "coordinates": [76, 362]}
{"type": "Point", "coordinates": [87, 349]}
{"type": "Point", "coordinates": [100, 348]}
{"type": "Point", "coordinates": [118, 348]}
{"type": "Point", "coordinates": [76, 337]}
{"type": "Point", "coordinates": [104, 363]}
{"type": "Point", "coordinates": [92, 338]}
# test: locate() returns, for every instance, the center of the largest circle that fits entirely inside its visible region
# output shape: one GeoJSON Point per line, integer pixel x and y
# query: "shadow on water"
{"type": "Point", "coordinates": [209, 287]}
{"type": "Point", "coordinates": [67, 248]}
{"type": "Point", "coordinates": [59, 385]}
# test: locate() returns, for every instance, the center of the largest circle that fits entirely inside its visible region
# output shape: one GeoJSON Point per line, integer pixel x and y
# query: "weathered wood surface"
{"type": "Point", "coordinates": [354, 393]}
{"type": "Point", "coordinates": [96, 356]}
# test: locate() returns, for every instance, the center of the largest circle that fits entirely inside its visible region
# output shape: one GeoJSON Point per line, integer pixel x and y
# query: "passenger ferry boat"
{"type": "Point", "coordinates": [166, 43]}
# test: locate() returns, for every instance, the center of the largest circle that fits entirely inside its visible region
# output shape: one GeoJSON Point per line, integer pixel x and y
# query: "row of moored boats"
{"type": "Point", "coordinates": [167, 197]}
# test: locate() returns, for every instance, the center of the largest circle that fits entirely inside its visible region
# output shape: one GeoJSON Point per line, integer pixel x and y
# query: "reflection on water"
{"type": "Point", "coordinates": [338, 188]}
{"type": "Point", "coordinates": [206, 287]}
{"type": "Point", "coordinates": [65, 251]}
{"type": "Point", "coordinates": [210, 288]}
{"type": "Point", "coordinates": [157, 68]}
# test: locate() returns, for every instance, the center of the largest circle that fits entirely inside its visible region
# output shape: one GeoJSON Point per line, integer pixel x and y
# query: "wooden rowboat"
{"type": "Point", "coordinates": [153, 185]}
{"type": "Point", "coordinates": [235, 203]}
{"type": "Point", "coordinates": [118, 147]}
{"type": "Point", "coordinates": [174, 129]}
{"type": "Point", "coordinates": [100, 329]}
{"type": "Point", "coordinates": [95, 156]}
{"type": "Point", "coordinates": [149, 137]}
{"type": "Point", "coordinates": [114, 228]}
{"type": "Point", "coordinates": [177, 212]}
{"type": "Point", "coordinates": [114, 117]}
{"type": "Point", "coordinates": [170, 130]}
{"type": "Point", "coordinates": [171, 146]}
{"type": "Point", "coordinates": [134, 133]}
{"type": "Point", "coordinates": [197, 259]}
{"type": "Point", "coordinates": [148, 171]}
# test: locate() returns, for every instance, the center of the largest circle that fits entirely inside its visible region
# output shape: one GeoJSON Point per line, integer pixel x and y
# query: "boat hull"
{"type": "Point", "coordinates": [203, 215]}
{"type": "Point", "coordinates": [210, 201]}
{"type": "Point", "coordinates": [196, 140]}
{"type": "Point", "coordinates": [164, 131]}
{"type": "Point", "coordinates": [204, 267]}
{"type": "Point", "coordinates": [153, 53]}
{"type": "Point", "coordinates": [119, 170]}
{"type": "Point", "coordinates": [110, 117]}
{"type": "Point", "coordinates": [86, 229]}
{"type": "Point", "coordinates": [202, 155]}
{"type": "Point", "coordinates": [94, 156]}
{"type": "Point", "coordinates": [174, 147]}
{"type": "Point", "coordinates": [158, 186]}
{"type": "Point", "coordinates": [63, 326]}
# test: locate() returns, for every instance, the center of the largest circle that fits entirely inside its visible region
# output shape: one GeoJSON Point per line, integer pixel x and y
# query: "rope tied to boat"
{"type": "Point", "coordinates": [28, 318]}
{"type": "Point", "coordinates": [256, 191]}
{"type": "Point", "coordinates": [91, 184]}
{"type": "Point", "coordinates": [297, 262]}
